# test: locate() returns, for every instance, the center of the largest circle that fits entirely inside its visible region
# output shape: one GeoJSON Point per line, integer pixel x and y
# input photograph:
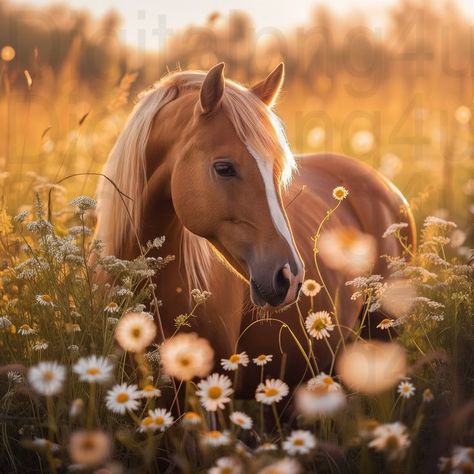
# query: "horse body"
{"type": "Point", "coordinates": [191, 158]}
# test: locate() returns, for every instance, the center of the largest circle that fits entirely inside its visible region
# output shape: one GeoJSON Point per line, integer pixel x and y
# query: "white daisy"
{"type": "Point", "coordinates": [428, 395]}
{"type": "Point", "coordinates": [226, 465]}
{"type": "Point", "coordinates": [233, 362]}
{"type": "Point", "coordinates": [310, 287]}
{"type": "Point", "coordinates": [185, 356]}
{"type": "Point", "coordinates": [112, 307]}
{"type": "Point", "coordinates": [340, 193]}
{"type": "Point", "coordinates": [26, 330]}
{"type": "Point", "coordinates": [214, 391]}
{"type": "Point", "coordinates": [267, 447]}
{"type": "Point", "coordinates": [122, 398]}
{"type": "Point", "coordinates": [89, 448]}
{"type": "Point", "coordinates": [326, 381]}
{"type": "Point", "coordinates": [262, 359]}
{"type": "Point", "coordinates": [134, 332]}
{"type": "Point", "coordinates": [44, 300]}
{"type": "Point", "coordinates": [319, 324]}
{"type": "Point", "coordinates": [191, 419]}
{"type": "Point", "coordinates": [318, 401]}
{"type": "Point", "coordinates": [272, 391]}
{"type": "Point", "coordinates": [391, 438]}
{"type": "Point", "coordinates": [158, 419]}
{"type": "Point", "coordinates": [40, 345]}
{"type": "Point", "coordinates": [47, 378]}
{"type": "Point", "coordinates": [406, 389]}
{"type": "Point", "coordinates": [216, 438]}
{"type": "Point", "coordinates": [42, 444]}
{"type": "Point", "coordinates": [299, 442]}
{"type": "Point", "coordinates": [150, 391]}
{"type": "Point", "coordinates": [93, 369]}
{"type": "Point", "coordinates": [284, 466]}
{"type": "Point", "coordinates": [241, 419]}
{"type": "Point", "coordinates": [385, 323]}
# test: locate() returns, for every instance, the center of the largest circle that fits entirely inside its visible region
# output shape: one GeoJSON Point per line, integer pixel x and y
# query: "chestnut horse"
{"type": "Point", "coordinates": [206, 164]}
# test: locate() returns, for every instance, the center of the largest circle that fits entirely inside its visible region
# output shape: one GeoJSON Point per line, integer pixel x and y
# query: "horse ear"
{"type": "Point", "coordinates": [212, 89]}
{"type": "Point", "coordinates": [268, 90]}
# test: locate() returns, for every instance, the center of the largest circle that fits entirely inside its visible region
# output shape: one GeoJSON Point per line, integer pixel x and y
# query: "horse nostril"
{"type": "Point", "coordinates": [282, 282]}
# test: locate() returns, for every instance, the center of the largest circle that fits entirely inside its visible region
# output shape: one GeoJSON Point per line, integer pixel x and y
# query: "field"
{"type": "Point", "coordinates": [401, 101]}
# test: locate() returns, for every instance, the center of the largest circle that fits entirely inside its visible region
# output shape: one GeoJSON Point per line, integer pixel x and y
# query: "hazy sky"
{"type": "Point", "coordinates": [141, 18]}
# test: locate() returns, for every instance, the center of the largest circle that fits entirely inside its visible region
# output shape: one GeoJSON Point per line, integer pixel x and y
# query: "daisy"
{"type": "Point", "coordinates": [241, 419]}
{"type": "Point", "coordinates": [284, 466]}
{"type": "Point", "coordinates": [319, 401]}
{"type": "Point", "coordinates": [72, 327]}
{"type": "Point", "coordinates": [272, 391]}
{"type": "Point", "coordinates": [135, 332]}
{"type": "Point", "coordinates": [233, 362]}
{"type": "Point", "coordinates": [263, 359]}
{"type": "Point", "coordinates": [42, 444]}
{"type": "Point", "coordinates": [428, 395]}
{"type": "Point", "coordinates": [47, 378]}
{"type": "Point", "coordinates": [214, 391]}
{"type": "Point", "coordinates": [191, 418]}
{"type": "Point", "coordinates": [158, 419]}
{"type": "Point", "coordinates": [310, 287]}
{"type": "Point", "coordinates": [391, 438]}
{"type": "Point", "coordinates": [326, 381]}
{"type": "Point", "coordinates": [147, 425]}
{"type": "Point", "coordinates": [40, 345]}
{"type": "Point", "coordinates": [266, 447]}
{"type": "Point", "coordinates": [6, 325]}
{"type": "Point", "coordinates": [44, 300]}
{"type": "Point", "coordinates": [93, 369]}
{"type": "Point", "coordinates": [112, 307]}
{"type": "Point", "coordinates": [216, 438]}
{"type": "Point", "coordinates": [89, 448]}
{"type": "Point", "coordinates": [319, 324]}
{"type": "Point", "coordinates": [26, 330]}
{"type": "Point", "coordinates": [150, 391]}
{"type": "Point", "coordinates": [226, 465]}
{"type": "Point", "coordinates": [185, 356]}
{"type": "Point", "coordinates": [299, 442]}
{"type": "Point", "coordinates": [385, 323]}
{"type": "Point", "coordinates": [340, 193]}
{"type": "Point", "coordinates": [406, 389]}
{"type": "Point", "coordinates": [122, 398]}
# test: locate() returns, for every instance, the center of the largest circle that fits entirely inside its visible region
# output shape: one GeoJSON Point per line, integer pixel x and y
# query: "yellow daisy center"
{"type": "Point", "coordinates": [225, 470]}
{"type": "Point", "coordinates": [122, 397]}
{"type": "Point", "coordinates": [48, 376]}
{"type": "Point", "coordinates": [262, 357]}
{"type": "Point", "coordinates": [392, 442]}
{"type": "Point", "coordinates": [191, 416]}
{"type": "Point", "coordinates": [214, 392]}
{"type": "Point", "coordinates": [25, 327]}
{"type": "Point", "coordinates": [214, 434]}
{"type": "Point", "coordinates": [328, 380]}
{"type": "Point", "coordinates": [136, 332]}
{"type": "Point", "coordinates": [46, 298]}
{"type": "Point", "coordinates": [405, 388]}
{"type": "Point", "coordinates": [310, 286]}
{"type": "Point", "coordinates": [318, 325]}
{"type": "Point", "coordinates": [271, 392]}
{"type": "Point", "coordinates": [234, 358]}
{"type": "Point", "coordinates": [185, 361]}
{"type": "Point", "coordinates": [148, 388]}
{"type": "Point", "coordinates": [159, 420]}
{"type": "Point", "coordinates": [147, 421]}
{"type": "Point", "coordinates": [298, 442]}
{"type": "Point", "coordinates": [93, 371]}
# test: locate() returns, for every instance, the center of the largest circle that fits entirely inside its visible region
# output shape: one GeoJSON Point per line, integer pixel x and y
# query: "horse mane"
{"type": "Point", "coordinates": [119, 226]}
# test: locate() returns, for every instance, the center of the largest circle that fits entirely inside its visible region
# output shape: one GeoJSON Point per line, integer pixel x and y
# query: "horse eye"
{"type": "Point", "coordinates": [224, 168]}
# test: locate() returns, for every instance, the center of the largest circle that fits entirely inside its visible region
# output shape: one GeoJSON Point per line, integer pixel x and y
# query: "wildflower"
{"type": "Point", "coordinates": [158, 419]}
{"type": "Point", "coordinates": [438, 221]}
{"type": "Point", "coordinates": [385, 323]}
{"type": "Point", "coordinates": [21, 216]}
{"type": "Point", "coordinates": [310, 288]}
{"type": "Point", "coordinates": [76, 407]}
{"type": "Point", "coordinates": [216, 438]}
{"type": "Point", "coordinates": [26, 330]}
{"type": "Point", "coordinates": [73, 348]}
{"type": "Point", "coordinates": [45, 300]}
{"type": "Point", "coordinates": [394, 229]}
{"type": "Point", "coordinates": [284, 466]}
{"type": "Point", "coordinates": [241, 419]}
{"type": "Point", "coordinates": [366, 429]}
{"type": "Point", "coordinates": [233, 362]}
{"type": "Point", "coordinates": [326, 381]}
{"type": "Point", "coordinates": [318, 401]}
{"type": "Point", "coordinates": [340, 193]}
{"type": "Point", "coordinates": [371, 367]}
{"type": "Point", "coordinates": [185, 356]}
{"type": "Point", "coordinates": [428, 395]}
{"type": "Point", "coordinates": [47, 378]}
{"type": "Point", "coordinates": [6, 325]}
{"type": "Point", "coordinates": [319, 324]}
{"type": "Point", "coordinates": [93, 369]}
{"type": "Point", "coordinates": [134, 332]}
{"type": "Point", "coordinates": [272, 391]}
{"type": "Point", "coordinates": [40, 345]}
{"type": "Point", "coordinates": [299, 442]}
{"type": "Point", "coordinates": [191, 418]}
{"type": "Point", "coordinates": [267, 447]}
{"type": "Point", "coordinates": [72, 327]}
{"type": "Point", "coordinates": [149, 391]}
{"type": "Point", "coordinates": [112, 321]}
{"type": "Point", "coordinates": [226, 465]}
{"type": "Point", "coordinates": [122, 398]}
{"type": "Point", "coordinates": [214, 391]}
{"type": "Point", "coordinates": [112, 307]}
{"type": "Point", "coordinates": [262, 359]}
{"type": "Point", "coordinates": [406, 389]}
{"type": "Point", "coordinates": [84, 203]}
{"type": "Point", "coordinates": [89, 448]}
{"type": "Point", "coordinates": [42, 444]}
{"type": "Point", "coordinates": [199, 296]}
{"type": "Point", "coordinates": [391, 438]}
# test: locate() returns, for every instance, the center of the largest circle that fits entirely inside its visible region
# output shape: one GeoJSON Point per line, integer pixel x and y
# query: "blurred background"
{"type": "Point", "coordinates": [390, 82]}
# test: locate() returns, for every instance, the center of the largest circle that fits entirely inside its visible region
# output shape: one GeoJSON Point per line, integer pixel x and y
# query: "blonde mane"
{"type": "Point", "coordinates": [256, 126]}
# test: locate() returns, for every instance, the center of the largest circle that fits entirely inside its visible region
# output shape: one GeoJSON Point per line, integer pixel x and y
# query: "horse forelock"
{"type": "Point", "coordinates": [120, 218]}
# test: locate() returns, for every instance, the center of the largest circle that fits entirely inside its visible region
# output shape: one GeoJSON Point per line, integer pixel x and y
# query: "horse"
{"type": "Point", "coordinates": [206, 163]}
